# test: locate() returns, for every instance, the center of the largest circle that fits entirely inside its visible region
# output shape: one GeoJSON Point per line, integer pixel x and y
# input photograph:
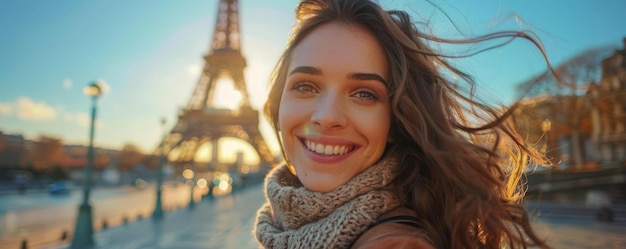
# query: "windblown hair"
{"type": "Point", "coordinates": [460, 159]}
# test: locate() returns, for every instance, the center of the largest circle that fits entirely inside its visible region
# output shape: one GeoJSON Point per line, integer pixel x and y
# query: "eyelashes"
{"type": "Point", "coordinates": [309, 89]}
{"type": "Point", "coordinates": [365, 94]}
{"type": "Point", "coordinates": [304, 87]}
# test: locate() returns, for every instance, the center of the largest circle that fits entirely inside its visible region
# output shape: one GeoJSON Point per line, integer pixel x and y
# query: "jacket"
{"type": "Point", "coordinates": [393, 235]}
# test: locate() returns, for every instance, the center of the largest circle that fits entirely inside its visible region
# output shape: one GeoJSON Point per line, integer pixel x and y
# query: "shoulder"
{"type": "Point", "coordinates": [393, 234]}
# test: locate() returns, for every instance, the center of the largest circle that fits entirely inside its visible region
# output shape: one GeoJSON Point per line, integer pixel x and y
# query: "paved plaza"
{"type": "Point", "coordinates": [226, 222]}
{"type": "Point", "coordinates": [578, 236]}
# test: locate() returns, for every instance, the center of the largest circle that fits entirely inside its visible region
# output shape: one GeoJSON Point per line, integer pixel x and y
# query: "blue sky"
{"type": "Point", "coordinates": [150, 53]}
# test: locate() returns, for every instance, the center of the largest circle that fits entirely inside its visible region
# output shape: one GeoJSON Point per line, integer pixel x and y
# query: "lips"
{"type": "Point", "coordinates": [327, 149]}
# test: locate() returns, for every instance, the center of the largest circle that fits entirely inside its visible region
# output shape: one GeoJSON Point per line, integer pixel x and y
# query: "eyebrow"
{"type": "Point", "coordinates": [354, 76]}
{"type": "Point", "coordinates": [306, 70]}
{"type": "Point", "coordinates": [367, 76]}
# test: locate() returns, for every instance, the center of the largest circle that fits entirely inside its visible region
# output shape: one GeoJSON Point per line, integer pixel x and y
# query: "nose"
{"type": "Point", "coordinates": [329, 112]}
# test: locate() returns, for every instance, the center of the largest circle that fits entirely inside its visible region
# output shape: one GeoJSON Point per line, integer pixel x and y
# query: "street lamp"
{"type": "Point", "coordinates": [158, 208]}
{"type": "Point", "coordinates": [190, 175]}
{"type": "Point", "coordinates": [546, 126]}
{"type": "Point", "coordinates": [83, 232]}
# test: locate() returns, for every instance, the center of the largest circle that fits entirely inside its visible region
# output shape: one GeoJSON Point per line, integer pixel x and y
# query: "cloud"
{"type": "Point", "coordinates": [68, 116]}
{"type": "Point", "coordinates": [6, 109]}
{"type": "Point", "coordinates": [30, 110]}
{"type": "Point", "coordinates": [27, 109]}
{"type": "Point", "coordinates": [67, 83]}
{"type": "Point", "coordinates": [82, 119]}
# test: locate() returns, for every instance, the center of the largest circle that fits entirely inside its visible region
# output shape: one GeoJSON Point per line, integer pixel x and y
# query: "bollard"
{"type": "Point", "coordinates": [24, 244]}
{"type": "Point", "coordinates": [64, 235]}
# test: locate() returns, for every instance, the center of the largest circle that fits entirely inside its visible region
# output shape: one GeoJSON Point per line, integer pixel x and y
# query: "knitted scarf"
{"type": "Point", "coordinates": [294, 217]}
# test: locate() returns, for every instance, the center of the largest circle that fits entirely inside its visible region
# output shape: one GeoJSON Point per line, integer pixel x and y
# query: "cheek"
{"type": "Point", "coordinates": [290, 113]}
{"type": "Point", "coordinates": [374, 123]}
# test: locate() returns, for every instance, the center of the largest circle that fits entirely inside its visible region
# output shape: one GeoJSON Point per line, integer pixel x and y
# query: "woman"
{"type": "Point", "coordinates": [378, 146]}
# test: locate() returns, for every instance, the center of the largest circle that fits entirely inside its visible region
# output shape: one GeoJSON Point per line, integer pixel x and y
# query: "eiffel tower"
{"type": "Point", "coordinates": [199, 122]}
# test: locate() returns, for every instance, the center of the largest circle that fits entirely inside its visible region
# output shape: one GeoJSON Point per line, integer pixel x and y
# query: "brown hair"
{"type": "Point", "coordinates": [461, 178]}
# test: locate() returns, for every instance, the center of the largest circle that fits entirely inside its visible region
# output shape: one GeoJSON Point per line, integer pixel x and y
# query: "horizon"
{"type": "Point", "coordinates": [150, 54]}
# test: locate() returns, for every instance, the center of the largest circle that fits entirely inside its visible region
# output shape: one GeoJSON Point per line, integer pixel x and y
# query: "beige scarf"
{"type": "Point", "coordinates": [294, 217]}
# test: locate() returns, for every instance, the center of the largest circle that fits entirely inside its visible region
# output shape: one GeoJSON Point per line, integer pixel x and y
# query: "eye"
{"type": "Point", "coordinates": [365, 94]}
{"type": "Point", "coordinates": [304, 87]}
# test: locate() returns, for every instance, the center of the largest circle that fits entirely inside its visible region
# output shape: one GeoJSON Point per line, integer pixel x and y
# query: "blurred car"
{"type": "Point", "coordinates": [59, 188]}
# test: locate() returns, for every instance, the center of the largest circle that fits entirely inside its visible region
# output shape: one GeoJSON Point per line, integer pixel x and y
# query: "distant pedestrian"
{"type": "Point", "coordinates": [382, 148]}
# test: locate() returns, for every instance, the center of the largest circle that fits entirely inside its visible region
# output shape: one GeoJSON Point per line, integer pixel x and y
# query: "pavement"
{"type": "Point", "coordinates": [582, 236]}
{"type": "Point", "coordinates": [226, 222]}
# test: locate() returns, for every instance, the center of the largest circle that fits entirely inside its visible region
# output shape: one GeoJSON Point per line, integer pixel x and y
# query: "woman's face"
{"type": "Point", "coordinates": [334, 114]}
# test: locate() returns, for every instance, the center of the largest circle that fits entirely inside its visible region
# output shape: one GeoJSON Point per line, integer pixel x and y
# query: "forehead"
{"type": "Point", "coordinates": [335, 45]}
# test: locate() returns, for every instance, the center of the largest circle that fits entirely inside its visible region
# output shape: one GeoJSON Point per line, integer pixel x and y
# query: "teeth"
{"type": "Point", "coordinates": [327, 149]}
{"type": "Point", "coordinates": [319, 148]}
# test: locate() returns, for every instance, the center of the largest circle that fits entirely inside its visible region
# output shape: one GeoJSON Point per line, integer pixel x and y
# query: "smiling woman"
{"type": "Point", "coordinates": [334, 99]}
{"type": "Point", "coordinates": [379, 147]}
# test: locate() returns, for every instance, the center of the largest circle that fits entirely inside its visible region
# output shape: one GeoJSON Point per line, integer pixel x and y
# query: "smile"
{"type": "Point", "coordinates": [327, 149]}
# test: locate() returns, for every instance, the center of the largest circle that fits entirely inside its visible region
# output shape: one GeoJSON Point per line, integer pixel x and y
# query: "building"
{"type": "Point", "coordinates": [13, 150]}
{"type": "Point", "coordinates": [586, 131]}
{"type": "Point", "coordinates": [608, 110]}
{"type": "Point", "coordinates": [559, 126]}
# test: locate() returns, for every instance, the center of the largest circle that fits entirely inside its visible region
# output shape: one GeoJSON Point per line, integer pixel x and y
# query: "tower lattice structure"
{"type": "Point", "coordinates": [199, 122]}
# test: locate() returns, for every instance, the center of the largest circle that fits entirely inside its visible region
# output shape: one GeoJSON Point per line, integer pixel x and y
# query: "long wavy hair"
{"type": "Point", "coordinates": [460, 160]}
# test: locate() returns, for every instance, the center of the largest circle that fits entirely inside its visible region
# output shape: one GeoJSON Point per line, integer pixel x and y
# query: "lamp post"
{"type": "Point", "coordinates": [190, 174]}
{"type": "Point", "coordinates": [83, 232]}
{"type": "Point", "coordinates": [546, 126]}
{"type": "Point", "coordinates": [158, 208]}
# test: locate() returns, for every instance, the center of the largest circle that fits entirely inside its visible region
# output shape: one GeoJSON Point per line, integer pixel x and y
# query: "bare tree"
{"type": "Point", "coordinates": [47, 152]}
{"type": "Point", "coordinates": [575, 75]}
{"type": "Point", "coordinates": [129, 156]}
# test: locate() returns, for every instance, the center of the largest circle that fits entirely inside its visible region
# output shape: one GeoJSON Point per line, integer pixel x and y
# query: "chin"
{"type": "Point", "coordinates": [316, 185]}
{"type": "Point", "coordinates": [321, 189]}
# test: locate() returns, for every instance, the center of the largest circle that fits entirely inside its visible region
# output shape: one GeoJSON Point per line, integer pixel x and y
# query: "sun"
{"type": "Point", "coordinates": [225, 95]}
